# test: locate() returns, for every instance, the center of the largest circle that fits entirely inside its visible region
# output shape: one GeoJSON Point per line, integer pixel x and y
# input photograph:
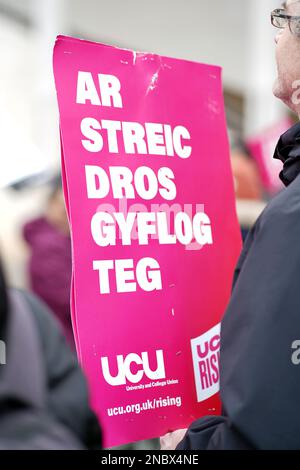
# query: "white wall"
{"type": "Point", "coordinates": [201, 30]}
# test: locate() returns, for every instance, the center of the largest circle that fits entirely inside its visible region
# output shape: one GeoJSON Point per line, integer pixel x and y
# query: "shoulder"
{"type": "Point", "coordinates": [45, 321]}
{"type": "Point", "coordinates": [56, 352]}
{"type": "Point", "coordinates": [286, 202]}
{"type": "Point", "coordinates": [282, 215]}
{"type": "Point", "coordinates": [67, 390]}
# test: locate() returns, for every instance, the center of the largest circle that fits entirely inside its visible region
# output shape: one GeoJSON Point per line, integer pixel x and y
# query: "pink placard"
{"type": "Point", "coordinates": [155, 238]}
{"type": "Point", "coordinates": [261, 147]}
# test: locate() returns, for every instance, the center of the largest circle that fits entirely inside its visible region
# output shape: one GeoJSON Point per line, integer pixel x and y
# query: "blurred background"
{"type": "Point", "coordinates": [236, 34]}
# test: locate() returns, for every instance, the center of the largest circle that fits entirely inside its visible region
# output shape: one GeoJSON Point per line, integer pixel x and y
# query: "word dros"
{"type": "Point", "coordinates": [125, 365]}
{"type": "Point", "coordinates": [123, 183]}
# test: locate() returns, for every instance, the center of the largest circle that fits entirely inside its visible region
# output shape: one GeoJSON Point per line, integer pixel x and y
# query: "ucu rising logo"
{"type": "Point", "coordinates": [206, 357]}
{"type": "Point", "coordinates": [133, 367]}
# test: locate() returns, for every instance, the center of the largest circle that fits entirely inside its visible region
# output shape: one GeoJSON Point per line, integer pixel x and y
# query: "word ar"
{"type": "Point", "coordinates": [109, 90]}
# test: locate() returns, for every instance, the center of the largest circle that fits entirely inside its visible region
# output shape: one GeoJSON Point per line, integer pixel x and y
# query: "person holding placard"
{"type": "Point", "coordinates": [259, 377]}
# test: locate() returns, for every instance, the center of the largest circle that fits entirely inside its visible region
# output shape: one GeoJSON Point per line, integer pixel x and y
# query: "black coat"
{"type": "Point", "coordinates": [43, 394]}
{"type": "Point", "coordinates": [259, 382]}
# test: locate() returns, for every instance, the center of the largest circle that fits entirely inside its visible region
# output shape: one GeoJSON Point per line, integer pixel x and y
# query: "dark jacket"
{"type": "Point", "coordinates": [43, 394]}
{"type": "Point", "coordinates": [259, 383]}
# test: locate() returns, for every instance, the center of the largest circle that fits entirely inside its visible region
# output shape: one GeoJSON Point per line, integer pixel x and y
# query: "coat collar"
{"type": "Point", "coordinates": [288, 151]}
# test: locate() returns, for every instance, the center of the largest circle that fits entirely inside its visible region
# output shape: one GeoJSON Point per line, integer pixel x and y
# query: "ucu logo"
{"type": "Point", "coordinates": [212, 345]}
{"type": "Point", "coordinates": [206, 359]}
{"type": "Point", "coordinates": [133, 367]}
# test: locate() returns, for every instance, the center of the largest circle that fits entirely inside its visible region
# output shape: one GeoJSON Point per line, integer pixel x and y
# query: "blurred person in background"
{"type": "Point", "coordinates": [43, 394]}
{"type": "Point", "coordinates": [246, 177]}
{"type": "Point", "coordinates": [50, 263]}
{"type": "Point", "coordinates": [247, 182]}
{"type": "Point", "coordinates": [260, 333]}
